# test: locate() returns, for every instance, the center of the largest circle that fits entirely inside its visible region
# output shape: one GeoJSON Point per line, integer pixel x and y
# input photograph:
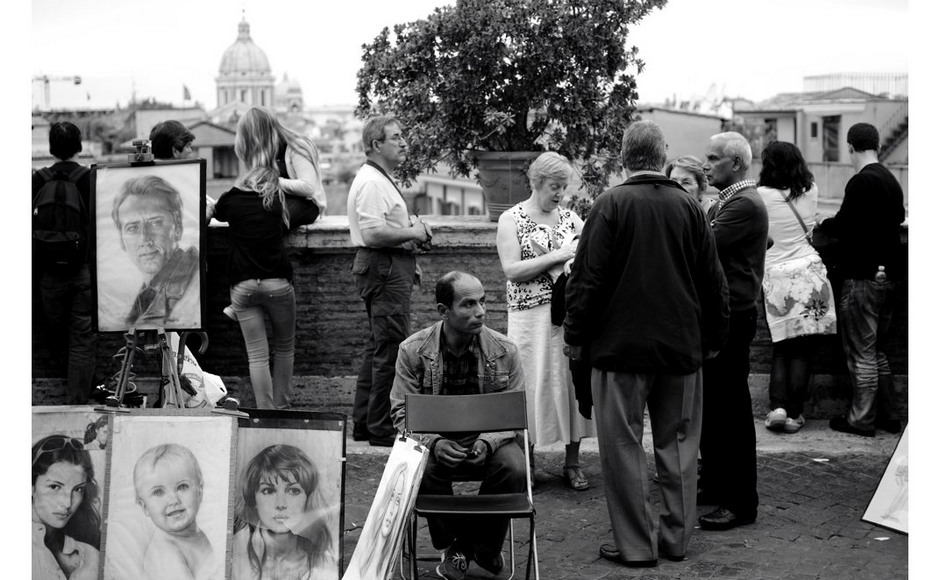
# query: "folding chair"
{"type": "Point", "coordinates": [484, 413]}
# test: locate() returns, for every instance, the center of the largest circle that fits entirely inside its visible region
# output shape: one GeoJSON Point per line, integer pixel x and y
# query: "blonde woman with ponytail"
{"type": "Point", "coordinates": [259, 272]}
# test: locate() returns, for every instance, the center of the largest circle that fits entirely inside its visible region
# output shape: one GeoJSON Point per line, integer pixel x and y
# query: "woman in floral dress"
{"type": "Point", "coordinates": [536, 239]}
{"type": "Point", "coordinates": [798, 297]}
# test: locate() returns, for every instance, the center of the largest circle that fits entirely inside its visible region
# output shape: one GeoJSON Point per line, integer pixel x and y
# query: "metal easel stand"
{"type": "Point", "coordinates": [170, 394]}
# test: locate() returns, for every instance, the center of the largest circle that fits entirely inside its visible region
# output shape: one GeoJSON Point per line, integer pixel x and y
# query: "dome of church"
{"type": "Point", "coordinates": [288, 87]}
{"type": "Point", "coordinates": [244, 56]}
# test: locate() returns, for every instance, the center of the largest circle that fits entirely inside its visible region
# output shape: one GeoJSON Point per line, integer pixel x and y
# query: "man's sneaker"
{"type": "Point", "coordinates": [794, 425]}
{"type": "Point", "coordinates": [776, 419]}
{"type": "Point", "coordinates": [492, 564]}
{"type": "Point", "coordinates": [453, 565]}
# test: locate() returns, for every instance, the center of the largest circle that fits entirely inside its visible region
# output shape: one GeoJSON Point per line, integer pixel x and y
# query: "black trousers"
{"type": "Point", "coordinates": [483, 536]}
{"type": "Point", "coordinates": [384, 279]}
{"type": "Point", "coordinates": [729, 444]}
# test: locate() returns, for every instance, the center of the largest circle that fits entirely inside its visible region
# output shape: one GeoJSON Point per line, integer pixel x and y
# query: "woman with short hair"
{"type": "Point", "coordinates": [536, 240]}
{"type": "Point", "coordinates": [688, 172]}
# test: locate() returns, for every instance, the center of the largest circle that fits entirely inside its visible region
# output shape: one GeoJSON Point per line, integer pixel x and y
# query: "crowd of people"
{"type": "Point", "coordinates": [649, 303]}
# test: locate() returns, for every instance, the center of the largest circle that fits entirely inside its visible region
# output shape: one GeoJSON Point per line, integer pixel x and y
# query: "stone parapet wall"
{"type": "Point", "coordinates": [331, 322]}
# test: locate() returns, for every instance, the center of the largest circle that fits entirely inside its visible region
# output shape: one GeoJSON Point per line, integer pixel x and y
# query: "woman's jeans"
{"type": "Point", "coordinates": [864, 317]}
{"type": "Point", "coordinates": [251, 300]}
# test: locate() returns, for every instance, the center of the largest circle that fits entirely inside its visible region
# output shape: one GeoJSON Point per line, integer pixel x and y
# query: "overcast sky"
{"type": "Point", "coordinates": [748, 48]}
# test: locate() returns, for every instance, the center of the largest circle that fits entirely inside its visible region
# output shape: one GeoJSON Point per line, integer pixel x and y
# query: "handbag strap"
{"type": "Point", "coordinates": [806, 231]}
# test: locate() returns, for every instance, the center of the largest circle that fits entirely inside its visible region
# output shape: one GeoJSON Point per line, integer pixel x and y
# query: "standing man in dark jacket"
{"type": "Point", "coordinates": [65, 294]}
{"type": "Point", "coordinates": [867, 227]}
{"type": "Point", "coordinates": [646, 303]}
{"type": "Point", "coordinates": [729, 444]}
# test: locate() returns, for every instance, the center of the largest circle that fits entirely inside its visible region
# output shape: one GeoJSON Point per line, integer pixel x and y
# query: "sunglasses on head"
{"type": "Point", "coordinates": [57, 443]}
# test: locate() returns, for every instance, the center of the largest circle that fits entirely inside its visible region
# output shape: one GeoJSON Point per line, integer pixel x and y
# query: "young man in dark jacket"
{"type": "Point", "coordinates": [65, 294]}
{"type": "Point", "coordinates": [867, 227]}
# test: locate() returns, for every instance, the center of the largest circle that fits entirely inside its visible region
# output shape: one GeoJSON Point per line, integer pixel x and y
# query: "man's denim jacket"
{"type": "Point", "coordinates": [420, 369]}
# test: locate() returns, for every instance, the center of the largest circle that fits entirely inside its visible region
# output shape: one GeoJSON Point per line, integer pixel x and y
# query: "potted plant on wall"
{"type": "Point", "coordinates": [508, 79]}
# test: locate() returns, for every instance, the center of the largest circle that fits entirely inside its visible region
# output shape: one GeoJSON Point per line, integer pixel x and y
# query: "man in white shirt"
{"type": "Point", "coordinates": [385, 272]}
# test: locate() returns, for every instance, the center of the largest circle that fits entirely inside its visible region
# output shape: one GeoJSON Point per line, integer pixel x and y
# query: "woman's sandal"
{"type": "Point", "coordinates": [574, 478]}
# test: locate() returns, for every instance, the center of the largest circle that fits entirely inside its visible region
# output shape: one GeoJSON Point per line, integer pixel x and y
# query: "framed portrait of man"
{"type": "Point", "coordinates": [289, 485]}
{"type": "Point", "coordinates": [69, 460]}
{"type": "Point", "coordinates": [169, 489]}
{"type": "Point", "coordinates": [149, 244]}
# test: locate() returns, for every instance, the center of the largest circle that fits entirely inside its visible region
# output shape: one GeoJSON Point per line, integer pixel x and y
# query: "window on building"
{"type": "Point", "coordinates": [830, 137]}
{"type": "Point", "coordinates": [770, 130]}
{"type": "Point", "coordinates": [263, 103]}
{"type": "Point", "coordinates": [224, 163]}
{"type": "Point", "coordinates": [814, 130]}
{"type": "Point", "coordinates": [243, 96]}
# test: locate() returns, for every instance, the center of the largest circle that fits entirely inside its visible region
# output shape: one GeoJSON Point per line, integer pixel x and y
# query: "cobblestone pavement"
{"type": "Point", "coordinates": [814, 488]}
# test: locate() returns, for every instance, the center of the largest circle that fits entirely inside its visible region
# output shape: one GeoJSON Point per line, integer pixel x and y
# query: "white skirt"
{"type": "Point", "coordinates": [550, 402]}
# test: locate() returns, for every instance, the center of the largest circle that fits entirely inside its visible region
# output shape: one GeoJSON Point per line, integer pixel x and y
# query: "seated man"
{"type": "Point", "coordinates": [461, 356]}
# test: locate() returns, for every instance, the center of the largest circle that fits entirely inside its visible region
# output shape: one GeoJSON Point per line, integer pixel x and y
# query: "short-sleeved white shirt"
{"type": "Point", "coordinates": [373, 202]}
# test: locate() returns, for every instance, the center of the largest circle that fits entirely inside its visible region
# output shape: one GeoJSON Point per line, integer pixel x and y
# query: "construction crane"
{"type": "Point", "coordinates": [46, 79]}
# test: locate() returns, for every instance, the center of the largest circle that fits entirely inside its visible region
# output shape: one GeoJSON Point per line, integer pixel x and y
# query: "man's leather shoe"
{"type": "Point", "coordinates": [842, 425]}
{"type": "Point", "coordinates": [386, 441]}
{"type": "Point", "coordinates": [724, 519]}
{"type": "Point", "coordinates": [360, 433]}
{"type": "Point", "coordinates": [610, 552]}
{"type": "Point", "coordinates": [889, 425]}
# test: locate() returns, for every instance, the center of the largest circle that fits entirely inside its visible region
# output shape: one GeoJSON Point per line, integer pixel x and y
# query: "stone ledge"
{"type": "Point", "coordinates": [829, 394]}
{"type": "Point", "coordinates": [331, 233]}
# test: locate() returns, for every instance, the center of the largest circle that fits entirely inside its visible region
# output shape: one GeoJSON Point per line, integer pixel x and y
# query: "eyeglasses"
{"type": "Point", "coordinates": [397, 139]}
{"type": "Point", "coordinates": [58, 443]}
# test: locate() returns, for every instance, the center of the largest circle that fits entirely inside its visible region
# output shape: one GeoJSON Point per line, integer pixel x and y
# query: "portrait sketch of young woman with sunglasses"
{"type": "Point", "coordinates": [66, 520]}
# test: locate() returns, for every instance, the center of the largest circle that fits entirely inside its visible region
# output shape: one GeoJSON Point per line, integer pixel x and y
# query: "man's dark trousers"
{"type": "Point", "coordinates": [67, 304]}
{"type": "Point", "coordinates": [384, 278]}
{"type": "Point", "coordinates": [502, 472]}
{"type": "Point", "coordinates": [729, 444]}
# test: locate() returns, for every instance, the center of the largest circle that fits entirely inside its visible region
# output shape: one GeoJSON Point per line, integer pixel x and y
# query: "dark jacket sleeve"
{"type": "Point", "coordinates": [850, 210]}
{"type": "Point", "coordinates": [732, 225]}
{"type": "Point", "coordinates": [586, 281]}
{"type": "Point", "coordinates": [712, 289]}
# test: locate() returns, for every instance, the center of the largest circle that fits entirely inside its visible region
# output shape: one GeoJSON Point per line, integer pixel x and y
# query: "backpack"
{"type": "Point", "coordinates": [60, 221]}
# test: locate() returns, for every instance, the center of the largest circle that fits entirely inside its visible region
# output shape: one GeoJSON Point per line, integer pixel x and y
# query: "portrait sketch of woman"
{"type": "Point", "coordinates": [65, 510]}
{"type": "Point", "coordinates": [287, 504]}
{"type": "Point", "coordinates": [383, 532]}
{"type": "Point", "coordinates": [69, 462]}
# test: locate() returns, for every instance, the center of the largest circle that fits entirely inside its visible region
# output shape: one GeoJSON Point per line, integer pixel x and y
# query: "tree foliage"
{"type": "Point", "coordinates": [508, 75]}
